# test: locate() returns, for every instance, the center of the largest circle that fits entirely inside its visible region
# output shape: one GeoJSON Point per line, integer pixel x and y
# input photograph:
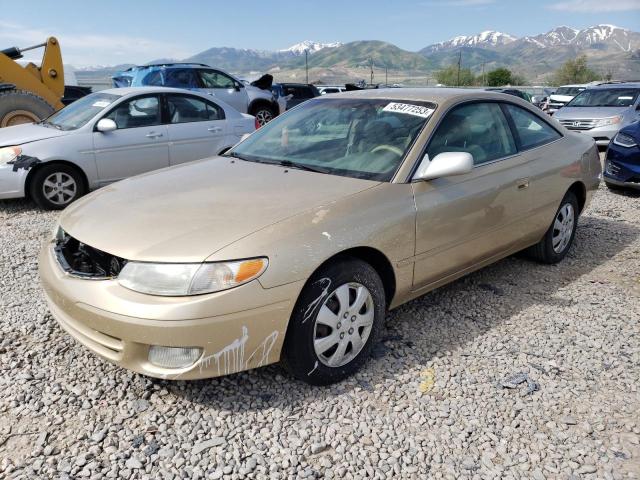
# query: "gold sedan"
{"type": "Point", "coordinates": [293, 245]}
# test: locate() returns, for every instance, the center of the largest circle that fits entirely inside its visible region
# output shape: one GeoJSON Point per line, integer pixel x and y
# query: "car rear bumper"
{"type": "Point", "coordinates": [12, 183]}
{"type": "Point", "coordinates": [227, 342]}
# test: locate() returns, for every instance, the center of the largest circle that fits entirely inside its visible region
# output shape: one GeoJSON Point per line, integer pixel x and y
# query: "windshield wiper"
{"type": "Point", "coordinates": [299, 166]}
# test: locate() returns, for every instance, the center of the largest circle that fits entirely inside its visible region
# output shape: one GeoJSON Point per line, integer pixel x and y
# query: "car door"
{"type": "Point", "coordinates": [536, 140]}
{"type": "Point", "coordinates": [464, 220]}
{"type": "Point", "coordinates": [140, 143]}
{"type": "Point", "coordinates": [227, 89]}
{"type": "Point", "coordinates": [197, 128]}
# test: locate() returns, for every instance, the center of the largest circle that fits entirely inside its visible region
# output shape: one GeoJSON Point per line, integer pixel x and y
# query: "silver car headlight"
{"type": "Point", "coordinates": [603, 122]}
{"type": "Point", "coordinates": [181, 279]}
{"type": "Point", "coordinates": [9, 154]}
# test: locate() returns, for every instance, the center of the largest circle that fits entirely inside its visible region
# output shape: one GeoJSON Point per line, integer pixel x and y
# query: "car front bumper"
{"type": "Point", "coordinates": [601, 135]}
{"type": "Point", "coordinates": [236, 330]}
{"type": "Point", "coordinates": [12, 183]}
{"type": "Point", "coordinates": [621, 174]}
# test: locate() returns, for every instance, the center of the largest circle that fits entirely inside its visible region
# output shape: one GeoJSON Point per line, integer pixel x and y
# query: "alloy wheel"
{"type": "Point", "coordinates": [343, 324]}
{"type": "Point", "coordinates": [59, 188]}
{"type": "Point", "coordinates": [264, 116]}
{"type": "Point", "coordinates": [563, 228]}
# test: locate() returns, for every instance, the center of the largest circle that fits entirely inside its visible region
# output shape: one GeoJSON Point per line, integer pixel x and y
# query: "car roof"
{"type": "Point", "coordinates": [436, 95]}
{"type": "Point", "coordinates": [122, 91]}
{"type": "Point", "coordinates": [169, 65]}
{"type": "Point", "coordinates": [617, 85]}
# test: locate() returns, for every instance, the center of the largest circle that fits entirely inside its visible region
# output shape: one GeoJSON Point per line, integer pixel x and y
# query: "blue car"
{"type": "Point", "coordinates": [622, 165]}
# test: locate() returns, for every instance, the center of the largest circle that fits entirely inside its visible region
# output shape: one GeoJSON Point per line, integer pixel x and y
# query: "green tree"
{"type": "Point", "coordinates": [499, 77]}
{"type": "Point", "coordinates": [449, 76]}
{"type": "Point", "coordinates": [574, 71]}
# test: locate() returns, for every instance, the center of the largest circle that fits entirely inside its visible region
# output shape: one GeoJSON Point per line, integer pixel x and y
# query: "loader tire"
{"type": "Point", "coordinates": [18, 106]}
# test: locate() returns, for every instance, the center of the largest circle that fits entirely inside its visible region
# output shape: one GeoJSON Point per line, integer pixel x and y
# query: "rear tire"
{"type": "Point", "coordinates": [326, 342]}
{"type": "Point", "coordinates": [558, 239]}
{"type": "Point", "coordinates": [263, 113]}
{"type": "Point", "coordinates": [56, 185]}
{"type": "Point", "coordinates": [18, 107]}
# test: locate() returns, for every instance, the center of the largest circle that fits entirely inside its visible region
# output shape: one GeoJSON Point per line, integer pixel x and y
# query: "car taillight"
{"type": "Point", "coordinates": [257, 124]}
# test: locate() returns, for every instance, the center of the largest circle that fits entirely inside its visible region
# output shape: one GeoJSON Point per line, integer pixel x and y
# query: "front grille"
{"type": "Point", "coordinates": [583, 124]}
{"type": "Point", "coordinates": [82, 260]}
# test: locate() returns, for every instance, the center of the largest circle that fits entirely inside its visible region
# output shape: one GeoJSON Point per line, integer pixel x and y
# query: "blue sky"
{"type": "Point", "coordinates": [135, 31]}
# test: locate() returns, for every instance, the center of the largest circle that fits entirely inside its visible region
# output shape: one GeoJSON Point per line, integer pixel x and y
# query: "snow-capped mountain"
{"type": "Point", "coordinates": [599, 37]}
{"type": "Point", "coordinates": [312, 47]}
{"type": "Point", "coordinates": [490, 38]}
{"type": "Point", "coordinates": [603, 35]}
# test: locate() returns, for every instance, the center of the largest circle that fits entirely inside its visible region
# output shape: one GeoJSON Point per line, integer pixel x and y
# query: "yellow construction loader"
{"type": "Point", "coordinates": [30, 93]}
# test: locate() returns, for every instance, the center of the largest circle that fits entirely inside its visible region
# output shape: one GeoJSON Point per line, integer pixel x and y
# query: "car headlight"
{"type": "Point", "coordinates": [9, 154]}
{"type": "Point", "coordinates": [57, 233]}
{"type": "Point", "coordinates": [624, 140]}
{"type": "Point", "coordinates": [603, 122]}
{"type": "Point", "coordinates": [180, 279]}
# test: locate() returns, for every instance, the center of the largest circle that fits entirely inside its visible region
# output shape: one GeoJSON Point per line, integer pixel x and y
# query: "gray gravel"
{"type": "Point", "coordinates": [572, 329]}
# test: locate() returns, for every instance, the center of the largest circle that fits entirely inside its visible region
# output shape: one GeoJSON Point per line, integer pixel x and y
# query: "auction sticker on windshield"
{"type": "Point", "coordinates": [416, 110]}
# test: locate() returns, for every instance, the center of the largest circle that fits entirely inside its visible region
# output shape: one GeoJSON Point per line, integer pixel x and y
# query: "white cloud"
{"type": "Point", "coordinates": [595, 6]}
{"type": "Point", "coordinates": [91, 49]}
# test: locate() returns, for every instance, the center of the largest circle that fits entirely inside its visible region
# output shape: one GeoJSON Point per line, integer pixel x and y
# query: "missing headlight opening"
{"type": "Point", "coordinates": [79, 259]}
{"type": "Point", "coordinates": [24, 161]}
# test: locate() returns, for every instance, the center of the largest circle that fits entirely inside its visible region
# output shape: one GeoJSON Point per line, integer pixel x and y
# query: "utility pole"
{"type": "Point", "coordinates": [459, 65]}
{"type": "Point", "coordinates": [371, 59]}
{"type": "Point", "coordinates": [483, 82]}
{"type": "Point", "coordinates": [306, 62]}
{"type": "Point", "coordinates": [386, 76]}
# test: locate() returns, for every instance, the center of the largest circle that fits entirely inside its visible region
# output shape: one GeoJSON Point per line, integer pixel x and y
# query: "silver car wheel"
{"type": "Point", "coordinates": [264, 116]}
{"type": "Point", "coordinates": [343, 324]}
{"type": "Point", "coordinates": [59, 188]}
{"type": "Point", "coordinates": [563, 228]}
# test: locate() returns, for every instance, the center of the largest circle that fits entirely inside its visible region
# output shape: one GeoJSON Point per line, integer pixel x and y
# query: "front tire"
{"type": "Point", "coordinates": [336, 321]}
{"type": "Point", "coordinates": [55, 186]}
{"type": "Point", "coordinates": [557, 241]}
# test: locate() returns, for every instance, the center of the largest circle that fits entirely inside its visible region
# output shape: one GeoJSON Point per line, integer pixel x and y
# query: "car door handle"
{"type": "Point", "coordinates": [523, 183]}
{"type": "Point", "coordinates": [153, 135]}
{"type": "Point", "coordinates": [214, 129]}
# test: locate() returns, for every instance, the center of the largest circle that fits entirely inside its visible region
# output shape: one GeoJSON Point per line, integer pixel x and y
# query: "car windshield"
{"type": "Point", "coordinates": [360, 138]}
{"type": "Point", "coordinates": [81, 111]}
{"type": "Point", "coordinates": [610, 97]}
{"type": "Point", "coordinates": [568, 91]}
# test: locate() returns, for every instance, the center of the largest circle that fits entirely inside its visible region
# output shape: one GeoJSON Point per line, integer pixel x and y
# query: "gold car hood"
{"type": "Point", "coordinates": [186, 213]}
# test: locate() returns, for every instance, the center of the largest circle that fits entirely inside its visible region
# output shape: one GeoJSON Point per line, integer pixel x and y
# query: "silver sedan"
{"type": "Point", "coordinates": [111, 135]}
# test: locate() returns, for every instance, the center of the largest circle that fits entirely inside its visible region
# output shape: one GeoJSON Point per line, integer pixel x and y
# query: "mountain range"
{"type": "Point", "coordinates": [610, 50]}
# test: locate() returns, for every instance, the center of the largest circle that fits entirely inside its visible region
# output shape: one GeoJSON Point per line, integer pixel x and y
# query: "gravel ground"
{"type": "Point", "coordinates": [434, 402]}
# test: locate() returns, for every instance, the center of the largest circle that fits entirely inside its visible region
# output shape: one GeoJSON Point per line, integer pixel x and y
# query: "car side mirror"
{"type": "Point", "coordinates": [638, 107]}
{"type": "Point", "coordinates": [237, 86]}
{"type": "Point", "coordinates": [444, 164]}
{"type": "Point", "coordinates": [106, 125]}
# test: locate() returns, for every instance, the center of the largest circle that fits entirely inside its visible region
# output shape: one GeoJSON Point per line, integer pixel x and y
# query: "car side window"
{"type": "Point", "coordinates": [214, 79]}
{"type": "Point", "coordinates": [185, 109]}
{"type": "Point", "coordinates": [137, 112]}
{"type": "Point", "coordinates": [480, 129]}
{"type": "Point", "coordinates": [530, 130]}
{"type": "Point", "coordinates": [180, 78]}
